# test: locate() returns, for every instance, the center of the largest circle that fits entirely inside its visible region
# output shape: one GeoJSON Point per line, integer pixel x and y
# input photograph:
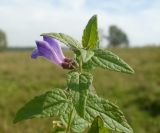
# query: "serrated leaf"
{"type": "Point", "coordinates": [51, 104]}
{"type": "Point", "coordinates": [98, 126]}
{"type": "Point", "coordinates": [66, 39]}
{"type": "Point", "coordinates": [107, 60]}
{"type": "Point", "coordinates": [80, 84]}
{"type": "Point", "coordinates": [113, 118]}
{"type": "Point", "coordinates": [90, 36]}
{"type": "Point", "coordinates": [86, 55]}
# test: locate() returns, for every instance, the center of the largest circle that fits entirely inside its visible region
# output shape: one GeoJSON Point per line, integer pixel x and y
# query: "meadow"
{"type": "Point", "coordinates": [138, 95]}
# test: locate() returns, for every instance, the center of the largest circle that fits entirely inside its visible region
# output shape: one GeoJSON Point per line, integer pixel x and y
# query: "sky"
{"type": "Point", "coordinates": [24, 20]}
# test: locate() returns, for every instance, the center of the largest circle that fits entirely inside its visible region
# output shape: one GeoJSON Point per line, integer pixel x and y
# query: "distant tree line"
{"type": "Point", "coordinates": [115, 38]}
{"type": "Point", "coordinates": [3, 40]}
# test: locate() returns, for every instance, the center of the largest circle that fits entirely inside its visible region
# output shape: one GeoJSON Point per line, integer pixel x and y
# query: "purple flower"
{"type": "Point", "coordinates": [50, 49]}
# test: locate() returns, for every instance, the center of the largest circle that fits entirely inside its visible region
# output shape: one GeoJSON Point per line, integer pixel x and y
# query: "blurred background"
{"type": "Point", "coordinates": [131, 29]}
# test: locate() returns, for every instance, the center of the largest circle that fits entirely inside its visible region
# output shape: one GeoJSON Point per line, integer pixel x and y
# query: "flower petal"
{"type": "Point", "coordinates": [54, 44]}
{"type": "Point", "coordinates": [35, 53]}
{"type": "Point", "coordinates": [45, 50]}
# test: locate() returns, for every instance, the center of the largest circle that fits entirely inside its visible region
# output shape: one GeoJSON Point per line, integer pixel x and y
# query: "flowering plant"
{"type": "Point", "coordinates": [77, 108]}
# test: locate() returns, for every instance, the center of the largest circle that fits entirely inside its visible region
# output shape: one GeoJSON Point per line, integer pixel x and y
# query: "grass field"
{"type": "Point", "coordinates": [138, 95]}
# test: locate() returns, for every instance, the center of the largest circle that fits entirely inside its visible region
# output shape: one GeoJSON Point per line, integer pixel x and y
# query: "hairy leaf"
{"type": "Point", "coordinates": [110, 113]}
{"type": "Point", "coordinates": [86, 55]}
{"type": "Point", "coordinates": [98, 126]}
{"type": "Point", "coordinates": [80, 84]}
{"type": "Point", "coordinates": [66, 39]}
{"type": "Point", "coordinates": [108, 60]}
{"type": "Point", "coordinates": [90, 35]}
{"type": "Point", "coordinates": [51, 104]}
{"type": "Point", "coordinates": [55, 103]}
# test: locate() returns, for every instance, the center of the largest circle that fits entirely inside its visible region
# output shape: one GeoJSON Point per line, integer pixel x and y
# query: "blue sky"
{"type": "Point", "coordinates": [25, 20]}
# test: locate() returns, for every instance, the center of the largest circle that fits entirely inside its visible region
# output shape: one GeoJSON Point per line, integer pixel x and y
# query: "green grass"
{"type": "Point", "coordinates": [138, 95]}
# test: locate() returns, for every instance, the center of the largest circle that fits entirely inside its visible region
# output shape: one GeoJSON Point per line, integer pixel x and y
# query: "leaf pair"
{"type": "Point", "coordinates": [89, 49]}
{"type": "Point", "coordinates": [57, 103]}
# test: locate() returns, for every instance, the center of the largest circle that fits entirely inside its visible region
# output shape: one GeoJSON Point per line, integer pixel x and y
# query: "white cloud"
{"type": "Point", "coordinates": [25, 20]}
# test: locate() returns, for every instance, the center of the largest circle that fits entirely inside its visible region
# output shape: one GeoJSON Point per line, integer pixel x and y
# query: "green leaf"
{"type": "Point", "coordinates": [108, 60]}
{"type": "Point", "coordinates": [88, 66]}
{"type": "Point", "coordinates": [51, 104]}
{"type": "Point", "coordinates": [79, 81]}
{"type": "Point", "coordinates": [110, 113]}
{"type": "Point", "coordinates": [90, 36]}
{"type": "Point", "coordinates": [55, 103]}
{"type": "Point", "coordinates": [78, 124]}
{"type": "Point", "coordinates": [86, 55]}
{"type": "Point", "coordinates": [66, 39]}
{"type": "Point", "coordinates": [80, 84]}
{"type": "Point", "coordinates": [98, 126]}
